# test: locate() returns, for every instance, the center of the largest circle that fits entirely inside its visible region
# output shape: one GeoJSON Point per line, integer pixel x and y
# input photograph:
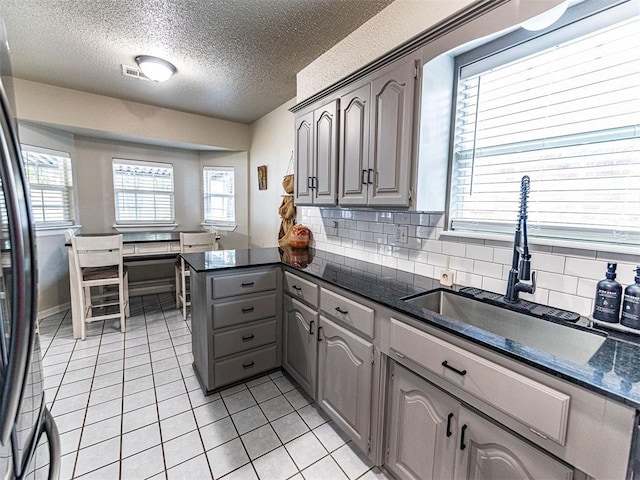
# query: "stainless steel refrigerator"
{"type": "Point", "coordinates": [29, 441]}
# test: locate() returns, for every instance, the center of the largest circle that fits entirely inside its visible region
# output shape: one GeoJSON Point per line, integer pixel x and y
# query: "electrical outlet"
{"type": "Point", "coordinates": [401, 234]}
{"type": "Point", "coordinates": [447, 278]}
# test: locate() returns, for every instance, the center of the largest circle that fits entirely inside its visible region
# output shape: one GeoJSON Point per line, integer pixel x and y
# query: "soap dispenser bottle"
{"type": "Point", "coordinates": [608, 297]}
{"type": "Point", "coordinates": [631, 303]}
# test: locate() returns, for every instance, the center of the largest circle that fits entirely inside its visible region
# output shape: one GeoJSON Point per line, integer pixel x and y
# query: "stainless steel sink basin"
{"type": "Point", "coordinates": [563, 341]}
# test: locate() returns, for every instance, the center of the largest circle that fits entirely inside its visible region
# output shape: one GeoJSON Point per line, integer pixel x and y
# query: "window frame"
{"type": "Point", "coordinates": [218, 222]}
{"type": "Point", "coordinates": [70, 210]}
{"type": "Point", "coordinates": [579, 20]}
{"type": "Point", "coordinates": [122, 223]}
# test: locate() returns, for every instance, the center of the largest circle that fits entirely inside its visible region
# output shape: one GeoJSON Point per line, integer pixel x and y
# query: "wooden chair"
{"type": "Point", "coordinates": [98, 261]}
{"type": "Point", "coordinates": [190, 243]}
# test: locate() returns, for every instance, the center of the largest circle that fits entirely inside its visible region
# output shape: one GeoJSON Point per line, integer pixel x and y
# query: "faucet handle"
{"type": "Point", "coordinates": [533, 282]}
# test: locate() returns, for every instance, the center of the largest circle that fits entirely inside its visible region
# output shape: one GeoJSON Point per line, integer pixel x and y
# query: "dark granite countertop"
{"type": "Point", "coordinates": [613, 370]}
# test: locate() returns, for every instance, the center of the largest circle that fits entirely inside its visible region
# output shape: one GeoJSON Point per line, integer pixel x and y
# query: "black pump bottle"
{"type": "Point", "coordinates": [631, 304]}
{"type": "Point", "coordinates": [608, 297]}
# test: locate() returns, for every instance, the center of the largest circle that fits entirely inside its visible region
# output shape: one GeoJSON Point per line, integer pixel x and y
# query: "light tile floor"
{"type": "Point", "coordinates": [129, 406]}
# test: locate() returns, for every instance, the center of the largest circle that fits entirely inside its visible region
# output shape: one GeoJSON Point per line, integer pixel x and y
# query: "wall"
{"type": "Point", "coordinates": [566, 277]}
{"type": "Point", "coordinates": [53, 270]}
{"type": "Point", "coordinates": [240, 161]}
{"type": "Point", "coordinates": [394, 25]}
{"type": "Point", "coordinates": [94, 181]}
{"type": "Point", "coordinates": [65, 108]}
{"type": "Point", "coordinates": [272, 141]}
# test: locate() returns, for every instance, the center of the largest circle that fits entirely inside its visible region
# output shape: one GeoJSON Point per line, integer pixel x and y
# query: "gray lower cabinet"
{"type": "Point", "coordinates": [345, 375]}
{"type": "Point", "coordinates": [236, 324]}
{"type": "Point", "coordinates": [432, 436]}
{"type": "Point", "coordinates": [421, 440]}
{"type": "Point", "coordinates": [300, 324]}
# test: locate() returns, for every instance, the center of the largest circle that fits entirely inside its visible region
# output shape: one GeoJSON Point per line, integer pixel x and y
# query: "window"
{"type": "Point", "coordinates": [143, 192]}
{"type": "Point", "coordinates": [219, 196]}
{"type": "Point", "coordinates": [51, 186]}
{"type": "Point", "coordinates": [566, 112]}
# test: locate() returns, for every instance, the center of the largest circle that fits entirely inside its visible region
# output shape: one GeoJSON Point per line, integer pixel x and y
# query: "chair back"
{"type": "Point", "coordinates": [197, 242]}
{"type": "Point", "coordinates": [99, 251]}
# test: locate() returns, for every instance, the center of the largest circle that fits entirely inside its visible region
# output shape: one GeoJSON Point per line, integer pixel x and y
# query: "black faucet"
{"type": "Point", "coordinates": [521, 264]}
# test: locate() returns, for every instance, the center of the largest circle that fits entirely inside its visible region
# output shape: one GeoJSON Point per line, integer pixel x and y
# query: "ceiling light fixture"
{"type": "Point", "coordinates": [545, 19]}
{"type": "Point", "coordinates": [155, 68]}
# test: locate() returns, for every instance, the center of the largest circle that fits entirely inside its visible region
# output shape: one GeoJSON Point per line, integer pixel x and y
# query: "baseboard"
{"type": "Point", "coordinates": [53, 310]}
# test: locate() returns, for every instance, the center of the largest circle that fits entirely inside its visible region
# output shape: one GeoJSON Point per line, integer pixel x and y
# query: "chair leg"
{"type": "Point", "coordinates": [122, 302]}
{"type": "Point", "coordinates": [127, 311]}
{"type": "Point", "coordinates": [83, 312]}
{"type": "Point", "coordinates": [184, 296]}
{"type": "Point", "coordinates": [178, 284]}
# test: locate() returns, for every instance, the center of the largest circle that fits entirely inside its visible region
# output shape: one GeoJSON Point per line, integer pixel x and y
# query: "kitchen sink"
{"type": "Point", "coordinates": [565, 341]}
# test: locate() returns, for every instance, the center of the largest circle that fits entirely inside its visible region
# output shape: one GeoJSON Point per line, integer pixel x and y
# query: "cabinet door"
{"type": "Point", "coordinates": [299, 358]}
{"type": "Point", "coordinates": [422, 429]}
{"type": "Point", "coordinates": [345, 380]}
{"type": "Point", "coordinates": [487, 452]}
{"type": "Point", "coordinates": [304, 159]}
{"type": "Point", "coordinates": [325, 132]}
{"type": "Point", "coordinates": [392, 96]}
{"type": "Point", "coordinates": [354, 171]}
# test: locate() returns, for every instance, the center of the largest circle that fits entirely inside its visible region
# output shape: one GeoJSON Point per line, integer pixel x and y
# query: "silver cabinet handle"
{"type": "Point", "coordinates": [55, 449]}
{"type": "Point", "coordinates": [16, 358]}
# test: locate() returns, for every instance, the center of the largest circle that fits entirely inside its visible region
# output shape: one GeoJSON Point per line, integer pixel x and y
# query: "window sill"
{"type": "Point", "coordinates": [148, 227]}
{"type": "Point", "coordinates": [219, 227]}
{"type": "Point", "coordinates": [545, 242]}
{"type": "Point", "coordinates": [57, 230]}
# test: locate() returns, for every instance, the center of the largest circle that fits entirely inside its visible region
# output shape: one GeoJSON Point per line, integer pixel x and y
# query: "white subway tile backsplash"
{"type": "Point", "coordinates": [459, 263]}
{"type": "Point", "coordinates": [493, 285]}
{"type": "Point", "coordinates": [587, 287]}
{"type": "Point", "coordinates": [454, 248]}
{"type": "Point", "coordinates": [480, 252]}
{"type": "Point", "coordinates": [573, 303]}
{"type": "Point", "coordinates": [503, 256]}
{"type": "Point", "coordinates": [487, 269]}
{"type": "Point", "coordinates": [581, 267]}
{"type": "Point", "coordinates": [434, 246]}
{"type": "Point", "coordinates": [567, 277]}
{"type": "Point", "coordinates": [548, 263]}
{"type": "Point", "coordinates": [406, 265]}
{"type": "Point", "coordinates": [426, 270]}
{"type": "Point", "coordinates": [437, 259]}
{"type": "Point", "coordinates": [559, 283]}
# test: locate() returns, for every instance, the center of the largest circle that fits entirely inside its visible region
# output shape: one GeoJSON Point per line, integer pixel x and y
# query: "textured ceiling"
{"type": "Point", "coordinates": [236, 59]}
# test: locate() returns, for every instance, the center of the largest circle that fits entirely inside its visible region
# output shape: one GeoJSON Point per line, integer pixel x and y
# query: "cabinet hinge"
{"type": "Point", "coordinates": [416, 65]}
{"type": "Point", "coordinates": [369, 445]}
{"type": "Point", "coordinates": [387, 454]}
{"type": "Point", "coordinates": [373, 357]}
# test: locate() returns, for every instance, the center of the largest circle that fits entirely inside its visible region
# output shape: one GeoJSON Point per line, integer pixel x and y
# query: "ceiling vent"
{"type": "Point", "coordinates": [134, 72]}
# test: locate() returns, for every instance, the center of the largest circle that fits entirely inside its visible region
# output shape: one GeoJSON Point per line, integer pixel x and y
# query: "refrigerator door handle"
{"type": "Point", "coordinates": [23, 304]}
{"type": "Point", "coordinates": [55, 450]}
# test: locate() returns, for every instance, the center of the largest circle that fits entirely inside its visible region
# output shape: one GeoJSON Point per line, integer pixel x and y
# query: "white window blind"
{"type": "Point", "coordinates": [567, 116]}
{"type": "Point", "coordinates": [50, 184]}
{"type": "Point", "coordinates": [219, 195]}
{"type": "Point", "coordinates": [143, 192]}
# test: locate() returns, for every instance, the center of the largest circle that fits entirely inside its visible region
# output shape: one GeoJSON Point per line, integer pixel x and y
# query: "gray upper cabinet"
{"type": "Point", "coordinates": [355, 175]}
{"type": "Point", "coordinates": [304, 158]}
{"type": "Point", "coordinates": [316, 137]}
{"type": "Point", "coordinates": [392, 113]}
{"type": "Point", "coordinates": [376, 131]}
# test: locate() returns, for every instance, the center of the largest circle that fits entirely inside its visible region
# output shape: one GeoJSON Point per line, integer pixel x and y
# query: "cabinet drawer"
{"type": "Point", "coordinates": [244, 310]}
{"type": "Point", "coordinates": [243, 283]}
{"type": "Point", "coordinates": [243, 366]}
{"type": "Point", "coordinates": [244, 338]}
{"type": "Point", "coordinates": [347, 311]}
{"type": "Point", "coordinates": [301, 289]}
{"type": "Point", "coordinates": [543, 409]}
{"type": "Point", "coordinates": [145, 248]}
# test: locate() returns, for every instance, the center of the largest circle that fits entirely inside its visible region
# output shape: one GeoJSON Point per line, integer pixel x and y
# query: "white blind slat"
{"type": "Point", "coordinates": [143, 192]}
{"type": "Point", "coordinates": [567, 116]}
